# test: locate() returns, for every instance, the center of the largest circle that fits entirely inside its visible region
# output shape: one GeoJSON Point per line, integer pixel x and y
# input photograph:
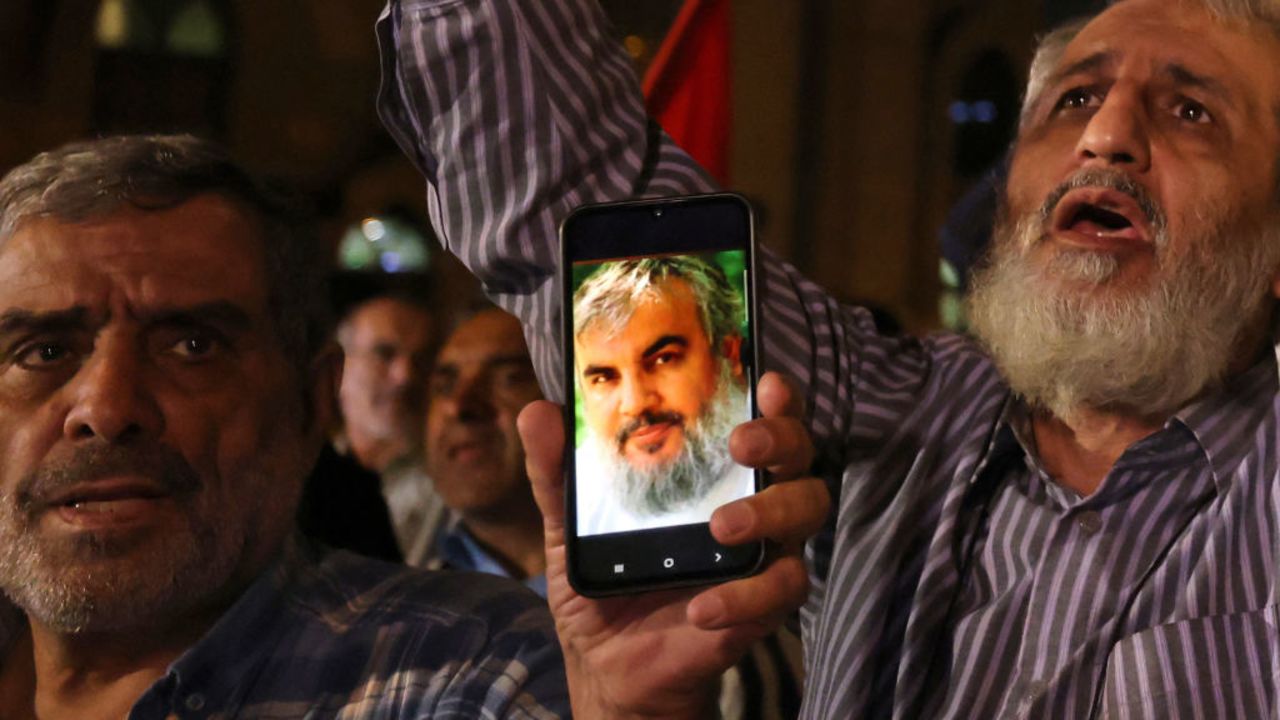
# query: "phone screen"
{"type": "Point", "coordinates": [660, 349]}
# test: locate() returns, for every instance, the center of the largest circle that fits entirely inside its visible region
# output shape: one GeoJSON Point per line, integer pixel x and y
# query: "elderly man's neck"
{"type": "Point", "coordinates": [1078, 453]}
{"type": "Point", "coordinates": [49, 674]}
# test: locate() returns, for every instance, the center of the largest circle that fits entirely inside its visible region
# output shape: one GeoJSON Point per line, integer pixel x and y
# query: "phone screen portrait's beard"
{"type": "Point", "coordinates": [702, 462]}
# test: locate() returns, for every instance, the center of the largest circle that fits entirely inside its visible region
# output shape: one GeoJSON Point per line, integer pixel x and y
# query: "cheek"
{"type": "Point", "coordinates": [513, 449]}
{"type": "Point", "coordinates": [433, 429]}
{"type": "Point", "coordinates": [1023, 196]}
{"type": "Point", "coordinates": [598, 409]}
{"type": "Point", "coordinates": [256, 439]}
{"type": "Point", "coordinates": [24, 445]}
{"type": "Point", "coordinates": [691, 387]}
{"type": "Point", "coordinates": [357, 379]}
{"type": "Point", "coordinates": [1040, 163]}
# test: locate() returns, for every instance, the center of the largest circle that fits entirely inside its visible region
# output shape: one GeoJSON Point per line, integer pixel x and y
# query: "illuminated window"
{"type": "Point", "coordinates": [162, 66]}
{"type": "Point", "coordinates": [196, 30]}
{"type": "Point", "coordinates": [124, 24]}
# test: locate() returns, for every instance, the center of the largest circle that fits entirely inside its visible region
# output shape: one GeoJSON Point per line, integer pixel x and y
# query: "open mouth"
{"type": "Point", "coordinates": [1100, 221]}
{"type": "Point", "coordinates": [1104, 215]}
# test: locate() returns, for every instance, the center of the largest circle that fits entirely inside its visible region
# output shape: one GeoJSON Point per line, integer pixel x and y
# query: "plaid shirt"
{"type": "Point", "coordinates": [342, 636]}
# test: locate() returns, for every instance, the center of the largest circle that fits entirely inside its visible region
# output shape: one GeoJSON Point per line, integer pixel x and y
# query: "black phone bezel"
{"type": "Point", "coordinates": [654, 227]}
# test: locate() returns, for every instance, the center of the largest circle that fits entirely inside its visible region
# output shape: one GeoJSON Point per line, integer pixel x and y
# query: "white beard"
{"type": "Point", "coordinates": [690, 476]}
{"type": "Point", "coordinates": [1067, 342]}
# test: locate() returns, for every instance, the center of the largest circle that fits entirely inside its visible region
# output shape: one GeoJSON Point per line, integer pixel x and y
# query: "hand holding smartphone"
{"type": "Point", "coordinates": [660, 347]}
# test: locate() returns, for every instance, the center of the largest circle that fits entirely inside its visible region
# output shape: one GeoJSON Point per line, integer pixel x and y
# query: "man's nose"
{"type": "Point", "coordinates": [472, 400]}
{"type": "Point", "coordinates": [1117, 133]}
{"type": "Point", "coordinates": [402, 371]}
{"type": "Point", "coordinates": [111, 399]}
{"type": "Point", "coordinates": [636, 394]}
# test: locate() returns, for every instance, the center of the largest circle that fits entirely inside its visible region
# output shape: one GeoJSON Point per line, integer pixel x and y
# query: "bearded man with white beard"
{"type": "Point", "coordinates": [1074, 515]}
{"type": "Point", "coordinates": [658, 361]}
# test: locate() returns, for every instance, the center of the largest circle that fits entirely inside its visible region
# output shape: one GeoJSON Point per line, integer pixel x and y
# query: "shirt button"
{"type": "Point", "coordinates": [1036, 688]}
{"type": "Point", "coordinates": [1090, 522]}
{"type": "Point", "coordinates": [194, 702]}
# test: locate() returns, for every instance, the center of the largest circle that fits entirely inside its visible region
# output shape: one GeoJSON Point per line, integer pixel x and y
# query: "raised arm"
{"type": "Point", "coordinates": [518, 111]}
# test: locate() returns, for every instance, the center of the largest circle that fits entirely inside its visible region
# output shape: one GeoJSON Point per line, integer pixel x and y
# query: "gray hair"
{"type": "Point", "coordinates": [611, 294]}
{"type": "Point", "coordinates": [92, 179]}
{"type": "Point", "coordinates": [1051, 46]}
{"type": "Point", "coordinates": [1049, 50]}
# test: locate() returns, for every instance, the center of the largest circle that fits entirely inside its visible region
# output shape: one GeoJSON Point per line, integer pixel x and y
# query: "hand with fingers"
{"type": "Point", "coordinates": [661, 654]}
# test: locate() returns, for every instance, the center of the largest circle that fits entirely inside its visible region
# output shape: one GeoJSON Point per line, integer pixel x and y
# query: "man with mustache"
{"type": "Point", "coordinates": [658, 362]}
{"type": "Point", "coordinates": [1077, 515]}
{"type": "Point", "coordinates": [167, 377]}
{"type": "Point", "coordinates": [480, 381]}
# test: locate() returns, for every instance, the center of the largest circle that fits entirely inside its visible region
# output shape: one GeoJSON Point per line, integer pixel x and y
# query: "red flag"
{"type": "Point", "coordinates": [687, 87]}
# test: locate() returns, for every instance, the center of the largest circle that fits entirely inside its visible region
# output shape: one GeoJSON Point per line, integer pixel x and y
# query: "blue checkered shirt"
{"type": "Point", "coordinates": [337, 635]}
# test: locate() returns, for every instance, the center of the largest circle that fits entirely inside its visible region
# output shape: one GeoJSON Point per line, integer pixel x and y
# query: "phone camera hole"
{"type": "Point", "coordinates": [657, 212]}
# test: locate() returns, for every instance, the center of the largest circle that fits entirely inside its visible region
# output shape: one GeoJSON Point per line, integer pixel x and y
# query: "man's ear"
{"type": "Point", "coordinates": [731, 348]}
{"type": "Point", "coordinates": [324, 379]}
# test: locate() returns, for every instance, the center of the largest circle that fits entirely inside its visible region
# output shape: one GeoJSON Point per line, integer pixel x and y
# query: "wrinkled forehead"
{"type": "Point", "coordinates": [201, 251]}
{"type": "Point", "coordinates": [1237, 49]}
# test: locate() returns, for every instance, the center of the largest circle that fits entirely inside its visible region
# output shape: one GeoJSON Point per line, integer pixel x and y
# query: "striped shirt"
{"type": "Point", "coordinates": [343, 636]}
{"type": "Point", "coordinates": [955, 579]}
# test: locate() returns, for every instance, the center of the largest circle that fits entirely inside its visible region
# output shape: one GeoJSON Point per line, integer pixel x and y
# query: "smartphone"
{"type": "Point", "coordinates": [660, 346]}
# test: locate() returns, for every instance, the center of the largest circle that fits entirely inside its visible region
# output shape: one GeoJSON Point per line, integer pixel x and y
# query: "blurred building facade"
{"type": "Point", "coordinates": [856, 123]}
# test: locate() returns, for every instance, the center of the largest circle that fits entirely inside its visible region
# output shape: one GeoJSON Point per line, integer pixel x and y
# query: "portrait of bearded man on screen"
{"type": "Point", "coordinates": [658, 361]}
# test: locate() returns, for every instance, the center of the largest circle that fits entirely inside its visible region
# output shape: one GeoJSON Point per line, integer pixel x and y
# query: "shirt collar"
{"type": "Point", "coordinates": [219, 669]}
{"type": "Point", "coordinates": [1222, 423]}
{"type": "Point", "coordinates": [1225, 422]}
{"type": "Point", "coordinates": [461, 551]}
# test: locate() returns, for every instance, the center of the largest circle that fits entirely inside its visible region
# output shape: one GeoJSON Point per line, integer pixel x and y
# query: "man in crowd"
{"type": "Point", "coordinates": [658, 362]}
{"type": "Point", "coordinates": [481, 380]}
{"type": "Point", "coordinates": [387, 344]}
{"type": "Point", "coordinates": [387, 341]}
{"type": "Point", "coordinates": [1073, 516]}
{"type": "Point", "coordinates": [166, 374]}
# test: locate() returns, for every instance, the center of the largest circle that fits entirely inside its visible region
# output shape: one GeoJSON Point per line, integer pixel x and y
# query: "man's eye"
{"type": "Point", "coordinates": [666, 358]}
{"type": "Point", "coordinates": [1193, 112]}
{"type": "Point", "coordinates": [195, 347]}
{"type": "Point", "coordinates": [43, 355]}
{"type": "Point", "coordinates": [1076, 99]}
{"type": "Point", "coordinates": [520, 376]}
